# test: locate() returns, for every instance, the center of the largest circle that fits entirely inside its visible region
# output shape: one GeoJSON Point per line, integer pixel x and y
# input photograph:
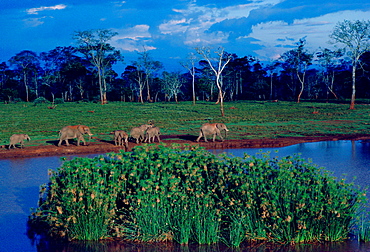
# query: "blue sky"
{"type": "Point", "coordinates": [170, 29]}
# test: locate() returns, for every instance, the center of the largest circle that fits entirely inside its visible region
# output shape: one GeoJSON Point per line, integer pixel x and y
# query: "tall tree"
{"type": "Point", "coordinates": [355, 35]}
{"type": "Point", "coordinates": [27, 64]}
{"type": "Point", "coordinates": [94, 45]}
{"type": "Point", "coordinates": [190, 66]}
{"type": "Point", "coordinates": [299, 59]}
{"type": "Point", "coordinates": [148, 66]}
{"type": "Point", "coordinates": [171, 85]}
{"type": "Point", "coordinates": [328, 59]}
{"type": "Point", "coordinates": [217, 62]}
{"type": "Point", "coordinates": [53, 62]}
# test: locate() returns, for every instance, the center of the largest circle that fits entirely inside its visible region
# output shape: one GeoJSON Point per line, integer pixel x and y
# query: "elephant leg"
{"type": "Point", "coordinates": [222, 139]}
{"type": "Point", "coordinates": [200, 135]}
{"type": "Point", "coordinates": [214, 137]}
{"type": "Point", "coordinates": [82, 139]}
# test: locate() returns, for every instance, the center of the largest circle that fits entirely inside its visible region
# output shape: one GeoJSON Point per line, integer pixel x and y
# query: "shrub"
{"type": "Point", "coordinates": [160, 193]}
{"type": "Point", "coordinates": [58, 101]}
{"type": "Point", "coordinates": [40, 100]}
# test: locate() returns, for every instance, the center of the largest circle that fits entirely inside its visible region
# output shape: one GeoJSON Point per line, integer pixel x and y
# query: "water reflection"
{"type": "Point", "coordinates": [114, 246]}
{"type": "Point", "coordinates": [20, 180]}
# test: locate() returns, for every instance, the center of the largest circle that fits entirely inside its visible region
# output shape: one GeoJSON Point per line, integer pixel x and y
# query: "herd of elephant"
{"type": "Point", "coordinates": [145, 133]}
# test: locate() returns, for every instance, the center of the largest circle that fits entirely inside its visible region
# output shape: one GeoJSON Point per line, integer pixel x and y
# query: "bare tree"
{"type": "Point", "coordinates": [190, 66]}
{"type": "Point", "coordinates": [148, 66]}
{"type": "Point", "coordinates": [328, 59]}
{"type": "Point", "coordinates": [299, 59]}
{"type": "Point", "coordinates": [172, 83]}
{"type": "Point", "coordinates": [355, 35]}
{"type": "Point", "coordinates": [217, 63]}
{"type": "Point", "coordinates": [93, 44]}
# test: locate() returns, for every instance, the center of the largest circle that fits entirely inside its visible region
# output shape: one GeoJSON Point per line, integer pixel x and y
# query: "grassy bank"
{"type": "Point", "coordinates": [245, 119]}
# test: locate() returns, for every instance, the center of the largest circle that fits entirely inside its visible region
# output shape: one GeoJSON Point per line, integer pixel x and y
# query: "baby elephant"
{"type": "Point", "coordinates": [212, 129]}
{"type": "Point", "coordinates": [151, 133]}
{"type": "Point", "coordinates": [139, 132]}
{"type": "Point", "coordinates": [121, 138]}
{"type": "Point", "coordinates": [18, 138]}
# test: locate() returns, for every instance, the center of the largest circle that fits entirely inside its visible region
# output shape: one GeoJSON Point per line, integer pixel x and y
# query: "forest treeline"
{"type": "Point", "coordinates": [86, 72]}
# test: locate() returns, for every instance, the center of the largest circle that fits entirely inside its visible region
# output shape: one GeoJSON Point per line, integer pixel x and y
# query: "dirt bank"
{"type": "Point", "coordinates": [106, 146]}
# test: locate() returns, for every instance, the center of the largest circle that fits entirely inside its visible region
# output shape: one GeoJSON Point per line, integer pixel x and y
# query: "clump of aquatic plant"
{"type": "Point", "coordinates": [362, 227]}
{"type": "Point", "coordinates": [80, 200]}
{"type": "Point", "coordinates": [289, 200]}
{"type": "Point", "coordinates": [167, 193]}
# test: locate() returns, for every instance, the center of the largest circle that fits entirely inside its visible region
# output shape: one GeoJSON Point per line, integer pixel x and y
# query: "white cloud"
{"type": "Point", "coordinates": [42, 8]}
{"type": "Point", "coordinates": [133, 38]}
{"type": "Point", "coordinates": [272, 36]}
{"type": "Point", "coordinates": [194, 21]}
{"type": "Point", "coordinates": [33, 22]}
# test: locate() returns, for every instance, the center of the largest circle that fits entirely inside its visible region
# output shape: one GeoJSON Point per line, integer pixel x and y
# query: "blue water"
{"type": "Point", "coordinates": [341, 157]}
{"type": "Point", "coordinates": [20, 180]}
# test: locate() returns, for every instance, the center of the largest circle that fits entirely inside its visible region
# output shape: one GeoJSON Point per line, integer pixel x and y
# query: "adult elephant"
{"type": "Point", "coordinates": [18, 139]}
{"type": "Point", "coordinates": [74, 131]}
{"type": "Point", "coordinates": [139, 132]}
{"type": "Point", "coordinates": [151, 134]}
{"type": "Point", "coordinates": [212, 129]}
{"type": "Point", "coordinates": [121, 138]}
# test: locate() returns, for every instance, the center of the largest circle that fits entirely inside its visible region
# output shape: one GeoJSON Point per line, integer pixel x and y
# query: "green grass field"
{"type": "Point", "coordinates": [245, 119]}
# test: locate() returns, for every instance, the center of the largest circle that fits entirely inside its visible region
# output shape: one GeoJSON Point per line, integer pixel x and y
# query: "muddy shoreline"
{"type": "Point", "coordinates": [100, 146]}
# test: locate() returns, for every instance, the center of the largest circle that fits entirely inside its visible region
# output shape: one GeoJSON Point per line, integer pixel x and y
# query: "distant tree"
{"type": "Point", "coordinates": [27, 65]}
{"type": "Point", "coordinates": [239, 72]}
{"type": "Point", "coordinates": [271, 70]}
{"type": "Point", "coordinates": [94, 45]}
{"type": "Point", "coordinates": [299, 60]}
{"type": "Point", "coordinates": [355, 35]}
{"type": "Point", "coordinates": [329, 59]}
{"type": "Point", "coordinates": [53, 63]}
{"type": "Point", "coordinates": [217, 62]}
{"type": "Point", "coordinates": [190, 66]}
{"type": "Point", "coordinates": [146, 65]}
{"type": "Point", "coordinates": [172, 83]}
{"type": "Point", "coordinates": [206, 82]}
{"type": "Point", "coordinates": [3, 76]}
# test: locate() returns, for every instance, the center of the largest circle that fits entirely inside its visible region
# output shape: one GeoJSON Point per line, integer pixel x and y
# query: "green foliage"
{"type": "Point", "coordinates": [160, 193]}
{"type": "Point", "coordinates": [58, 101]}
{"type": "Point", "coordinates": [40, 100]}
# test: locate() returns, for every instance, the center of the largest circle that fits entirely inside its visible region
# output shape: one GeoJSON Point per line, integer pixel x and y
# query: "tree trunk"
{"type": "Point", "coordinates": [25, 85]}
{"type": "Point", "coordinates": [100, 87]}
{"type": "Point", "coordinates": [148, 98]}
{"type": "Point", "coordinates": [353, 96]}
{"type": "Point", "coordinates": [193, 84]}
{"type": "Point", "coordinates": [221, 103]}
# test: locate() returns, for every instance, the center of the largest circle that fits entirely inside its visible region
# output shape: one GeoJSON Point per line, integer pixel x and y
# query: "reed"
{"type": "Point", "coordinates": [362, 228]}
{"type": "Point", "coordinates": [166, 193]}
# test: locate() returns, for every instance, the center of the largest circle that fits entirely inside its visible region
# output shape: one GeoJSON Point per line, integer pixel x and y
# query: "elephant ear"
{"type": "Point", "coordinates": [81, 129]}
